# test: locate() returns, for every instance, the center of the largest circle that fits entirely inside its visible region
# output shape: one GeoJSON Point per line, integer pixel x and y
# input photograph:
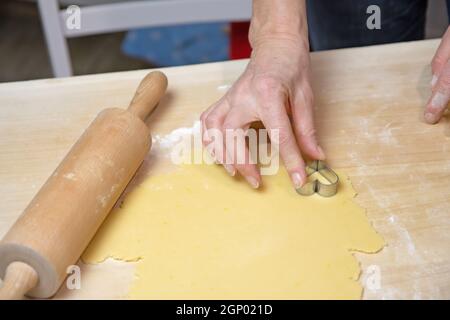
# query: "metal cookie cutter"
{"type": "Point", "coordinates": [316, 186]}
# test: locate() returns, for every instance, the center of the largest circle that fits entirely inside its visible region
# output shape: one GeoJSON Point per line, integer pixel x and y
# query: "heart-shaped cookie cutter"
{"type": "Point", "coordinates": [316, 186]}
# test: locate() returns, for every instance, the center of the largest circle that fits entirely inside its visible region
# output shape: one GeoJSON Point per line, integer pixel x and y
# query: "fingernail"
{"type": "Point", "coordinates": [230, 169]}
{"type": "Point", "coordinates": [434, 79]}
{"type": "Point", "coordinates": [297, 179]}
{"type": "Point", "coordinates": [438, 101]}
{"type": "Point", "coordinates": [253, 182]}
{"type": "Point", "coordinates": [430, 118]}
{"type": "Point", "coordinates": [321, 153]}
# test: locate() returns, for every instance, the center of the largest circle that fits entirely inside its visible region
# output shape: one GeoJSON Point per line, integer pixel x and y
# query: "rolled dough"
{"type": "Point", "coordinates": [199, 234]}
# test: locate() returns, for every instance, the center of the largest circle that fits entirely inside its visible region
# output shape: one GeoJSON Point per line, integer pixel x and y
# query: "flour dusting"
{"type": "Point", "coordinates": [168, 141]}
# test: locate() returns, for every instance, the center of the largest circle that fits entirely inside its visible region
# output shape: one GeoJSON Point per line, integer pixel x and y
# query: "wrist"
{"type": "Point", "coordinates": [281, 53]}
{"type": "Point", "coordinates": [278, 21]}
{"type": "Point", "coordinates": [275, 40]}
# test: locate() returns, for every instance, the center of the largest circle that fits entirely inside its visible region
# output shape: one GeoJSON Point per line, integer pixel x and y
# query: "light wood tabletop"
{"type": "Point", "coordinates": [369, 105]}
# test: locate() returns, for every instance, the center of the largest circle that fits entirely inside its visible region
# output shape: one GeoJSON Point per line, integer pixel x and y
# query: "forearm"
{"type": "Point", "coordinates": [275, 19]}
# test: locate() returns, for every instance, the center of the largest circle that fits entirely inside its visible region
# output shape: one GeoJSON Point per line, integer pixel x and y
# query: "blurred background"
{"type": "Point", "coordinates": [34, 43]}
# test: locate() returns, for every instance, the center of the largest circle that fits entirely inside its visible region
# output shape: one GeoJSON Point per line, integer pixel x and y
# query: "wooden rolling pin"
{"type": "Point", "coordinates": [61, 220]}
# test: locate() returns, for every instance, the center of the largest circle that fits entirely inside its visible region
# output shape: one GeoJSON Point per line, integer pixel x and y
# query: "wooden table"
{"type": "Point", "coordinates": [369, 105]}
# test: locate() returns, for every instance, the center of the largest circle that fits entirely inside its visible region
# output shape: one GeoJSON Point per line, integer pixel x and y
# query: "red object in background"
{"type": "Point", "coordinates": [239, 45]}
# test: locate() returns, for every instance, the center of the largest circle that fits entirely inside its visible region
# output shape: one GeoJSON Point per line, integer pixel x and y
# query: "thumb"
{"type": "Point", "coordinates": [440, 97]}
{"type": "Point", "coordinates": [441, 57]}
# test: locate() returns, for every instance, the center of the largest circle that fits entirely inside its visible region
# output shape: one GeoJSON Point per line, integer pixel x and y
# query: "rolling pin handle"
{"type": "Point", "coordinates": [150, 91]}
{"type": "Point", "coordinates": [19, 279]}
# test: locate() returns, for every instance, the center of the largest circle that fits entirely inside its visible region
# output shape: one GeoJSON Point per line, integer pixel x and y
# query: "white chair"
{"type": "Point", "coordinates": [122, 16]}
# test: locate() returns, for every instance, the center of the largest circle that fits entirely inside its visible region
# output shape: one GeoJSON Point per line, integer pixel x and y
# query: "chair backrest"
{"type": "Point", "coordinates": [114, 16]}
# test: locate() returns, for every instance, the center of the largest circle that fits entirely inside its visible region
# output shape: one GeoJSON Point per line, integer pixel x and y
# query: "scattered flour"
{"type": "Point", "coordinates": [70, 176]}
{"type": "Point", "coordinates": [168, 141]}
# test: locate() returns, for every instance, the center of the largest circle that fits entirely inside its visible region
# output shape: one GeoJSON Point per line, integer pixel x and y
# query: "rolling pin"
{"type": "Point", "coordinates": [65, 214]}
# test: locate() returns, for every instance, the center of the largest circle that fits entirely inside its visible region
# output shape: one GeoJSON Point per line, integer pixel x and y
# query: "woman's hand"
{"type": "Point", "coordinates": [274, 89]}
{"type": "Point", "coordinates": [440, 83]}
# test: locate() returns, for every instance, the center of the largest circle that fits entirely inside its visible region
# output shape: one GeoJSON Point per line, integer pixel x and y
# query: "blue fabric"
{"type": "Point", "coordinates": [340, 24]}
{"type": "Point", "coordinates": [179, 45]}
{"type": "Point", "coordinates": [448, 9]}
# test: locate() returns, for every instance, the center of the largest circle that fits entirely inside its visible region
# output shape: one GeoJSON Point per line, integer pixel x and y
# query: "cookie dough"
{"type": "Point", "coordinates": [199, 234]}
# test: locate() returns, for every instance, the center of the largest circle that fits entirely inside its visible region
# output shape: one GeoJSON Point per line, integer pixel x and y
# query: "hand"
{"type": "Point", "coordinates": [440, 83]}
{"type": "Point", "coordinates": [275, 90]}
